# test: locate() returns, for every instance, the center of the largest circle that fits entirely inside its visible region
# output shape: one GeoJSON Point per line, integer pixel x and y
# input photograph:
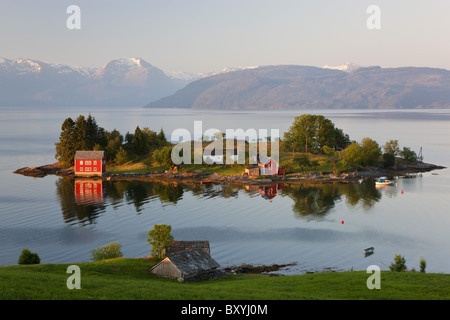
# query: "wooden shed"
{"type": "Point", "coordinates": [187, 266]}
{"type": "Point", "coordinates": [252, 171]}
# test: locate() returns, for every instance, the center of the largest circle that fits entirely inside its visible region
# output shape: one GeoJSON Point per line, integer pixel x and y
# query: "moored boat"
{"type": "Point", "coordinates": [384, 182]}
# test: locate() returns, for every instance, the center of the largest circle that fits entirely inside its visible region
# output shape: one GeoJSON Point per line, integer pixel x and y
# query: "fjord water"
{"type": "Point", "coordinates": [315, 226]}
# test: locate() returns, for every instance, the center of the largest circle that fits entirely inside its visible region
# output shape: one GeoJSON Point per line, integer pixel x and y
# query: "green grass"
{"type": "Point", "coordinates": [129, 279]}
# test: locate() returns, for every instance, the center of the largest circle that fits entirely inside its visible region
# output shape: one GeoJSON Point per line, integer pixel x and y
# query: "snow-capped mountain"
{"type": "Point", "coordinates": [347, 67]}
{"type": "Point", "coordinates": [189, 77]}
{"type": "Point", "coordinates": [124, 81]}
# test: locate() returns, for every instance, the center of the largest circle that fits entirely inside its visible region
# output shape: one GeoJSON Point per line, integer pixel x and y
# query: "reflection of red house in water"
{"type": "Point", "coordinates": [90, 163]}
{"type": "Point", "coordinates": [89, 191]}
{"type": "Point", "coordinates": [267, 192]}
{"type": "Point", "coordinates": [270, 192]}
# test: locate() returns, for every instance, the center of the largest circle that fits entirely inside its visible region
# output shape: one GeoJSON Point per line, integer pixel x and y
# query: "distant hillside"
{"type": "Point", "coordinates": [305, 87]}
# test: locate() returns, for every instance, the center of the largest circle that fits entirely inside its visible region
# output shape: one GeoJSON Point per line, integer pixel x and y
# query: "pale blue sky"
{"type": "Point", "coordinates": [204, 35]}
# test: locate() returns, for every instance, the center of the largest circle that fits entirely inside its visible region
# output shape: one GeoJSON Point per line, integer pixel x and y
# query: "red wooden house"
{"type": "Point", "coordinates": [90, 163]}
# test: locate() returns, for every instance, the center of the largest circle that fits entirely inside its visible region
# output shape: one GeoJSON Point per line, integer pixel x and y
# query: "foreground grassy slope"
{"type": "Point", "coordinates": [129, 279]}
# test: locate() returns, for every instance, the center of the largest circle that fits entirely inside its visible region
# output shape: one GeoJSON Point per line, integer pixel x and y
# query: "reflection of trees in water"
{"type": "Point", "coordinates": [140, 192]}
{"type": "Point", "coordinates": [319, 199]}
{"type": "Point", "coordinates": [85, 213]}
{"type": "Point", "coordinates": [364, 193]}
{"type": "Point", "coordinates": [212, 190]}
{"type": "Point", "coordinates": [311, 199]}
{"type": "Point", "coordinates": [136, 192]}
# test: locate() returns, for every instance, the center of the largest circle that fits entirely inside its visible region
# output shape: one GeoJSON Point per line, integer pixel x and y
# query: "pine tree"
{"type": "Point", "coordinates": [92, 132]}
{"type": "Point", "coordinates": [161, 137]}
{"type": "Point", "coordinates": [66, 148]}
{"type": "Point", "coordinates": [80, 133]}
{"type": "Point", "coordinates": [139, 141]}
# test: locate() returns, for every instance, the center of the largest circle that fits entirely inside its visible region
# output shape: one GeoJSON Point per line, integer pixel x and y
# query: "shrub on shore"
{"type": "Point", "coordinates": [109, 251]}
{"type": "Point", "coordinates": [27, 257]}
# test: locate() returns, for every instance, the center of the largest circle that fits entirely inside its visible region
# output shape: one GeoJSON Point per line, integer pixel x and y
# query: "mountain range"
{"type": "Point", "coordinates": [306, 87]}
{"type": "Point", "coordinates": [127, 82]}
{"type": "Point", "coordinates": [133, 82]}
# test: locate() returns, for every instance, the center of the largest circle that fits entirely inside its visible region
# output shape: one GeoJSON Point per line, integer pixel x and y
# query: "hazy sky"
{"type": "Point", "coordinates": [204, 35]}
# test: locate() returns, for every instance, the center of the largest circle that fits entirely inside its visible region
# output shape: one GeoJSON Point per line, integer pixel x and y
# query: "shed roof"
{"type": "Point", "coordinates": [191, 262]}
{"type": "Point", "coordinates": [89, 154]}
{"type": "Point", "coordinates": [194, 261]}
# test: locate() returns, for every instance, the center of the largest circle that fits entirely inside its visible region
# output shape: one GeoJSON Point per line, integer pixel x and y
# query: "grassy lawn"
{"type": "Point", "coordinates": [143, 165]}
{"type": "Point", "coordinates": [129, 279]}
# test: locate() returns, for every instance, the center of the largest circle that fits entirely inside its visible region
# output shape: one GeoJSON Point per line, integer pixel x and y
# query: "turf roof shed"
{"type": "Point", "coordinates": [187, 266]}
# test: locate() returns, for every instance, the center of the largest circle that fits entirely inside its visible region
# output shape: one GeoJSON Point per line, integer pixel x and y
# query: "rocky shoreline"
{"type": "Point", "coordinates": [190, 177]}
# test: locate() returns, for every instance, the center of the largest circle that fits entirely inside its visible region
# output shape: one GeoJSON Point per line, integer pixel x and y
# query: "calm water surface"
{"type": "Point", "coordinates": [299, 224]}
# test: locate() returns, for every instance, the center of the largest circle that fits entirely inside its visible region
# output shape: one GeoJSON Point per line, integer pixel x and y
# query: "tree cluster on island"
{"type": "Point", "coordinates": [313, 142]}
{"type": "Point", "coordinates": [316, 135]}
{"type": "Point", "coordinates": [85, 134]}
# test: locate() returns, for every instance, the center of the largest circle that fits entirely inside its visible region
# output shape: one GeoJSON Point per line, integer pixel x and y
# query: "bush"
{"type": "Point", "coordinates": [29, 258]}
{"type": "Point", "coordinates": [112, 250]}
{"type": "Point", "coordinates": [399, 264]}
{"type": "Point", "coordinates": [288, 165]}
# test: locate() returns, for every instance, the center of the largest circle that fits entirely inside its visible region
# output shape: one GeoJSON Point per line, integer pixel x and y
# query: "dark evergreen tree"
{"type": "Point", "coordinates": [161, 137]}
{"type": "Point", "coordinates": [80, 133]}
{"type": "Point", "coordinates": [139, 141]}
{"type": "Point", "coordinates": [66, 148]}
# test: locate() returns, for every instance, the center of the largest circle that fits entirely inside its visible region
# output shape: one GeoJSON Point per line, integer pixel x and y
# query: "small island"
{"type": "Point", "coordinates": [313, 150]}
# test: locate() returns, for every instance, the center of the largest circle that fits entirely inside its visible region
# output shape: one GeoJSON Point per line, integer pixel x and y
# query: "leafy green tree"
{"type": "Point", "coordinates": [423, 264]}
{"type": "Point", "coordinates": [310, 133]}
{"type": "Point", "coordinates": [160, 238]}
{"type": "Point", "coordinates": [371, 151]}
{"type": "Point", "coordinates": [163, 156]}
{"type": "Point", "coordinates": [408, 154]}
{"type": "Point", "coordinates": [392, 147]}
{"type": "Point", "coordinates": [399, 264]}
{"type": "Point", "coordinates": [361, 154]}
{"type": "Point", "coordinates": [352, 155]}
{"type": "Point", "coordinates": [121, 156]}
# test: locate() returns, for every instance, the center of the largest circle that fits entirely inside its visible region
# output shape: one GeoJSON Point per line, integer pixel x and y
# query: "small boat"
{"type": "Point", "coordinates": [384, 182]}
